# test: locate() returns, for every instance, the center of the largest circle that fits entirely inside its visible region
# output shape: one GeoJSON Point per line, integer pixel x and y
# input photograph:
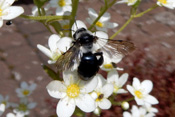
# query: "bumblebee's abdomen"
{"type": "Point", "coordinates": [88, 66]}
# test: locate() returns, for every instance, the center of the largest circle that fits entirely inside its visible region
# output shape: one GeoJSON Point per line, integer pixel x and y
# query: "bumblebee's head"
{"type": "Point", "coordinates": [78, 32]}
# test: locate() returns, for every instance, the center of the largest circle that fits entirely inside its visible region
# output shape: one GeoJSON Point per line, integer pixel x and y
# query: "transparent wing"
{"type": "Point", "coordinates": [116, 48]}
{"type": "Point", "coordinates": [70, 59]}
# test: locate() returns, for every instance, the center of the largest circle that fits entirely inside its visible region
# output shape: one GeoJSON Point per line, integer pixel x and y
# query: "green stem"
{"type": "Point", "coordinates": [123, 27]}
{"type": "Point", "coordinates": [101, 13]}
{"type": "Point", "coordinates": [146, 11]}
{"type": "Point", "coordinates": [74, 12]}
{"type": "Point", "coordinates": [119, 103]}
{"type": "Point", "coordinates": [39, 18]}
{"type": "Point", "coordinates": [131, 18]}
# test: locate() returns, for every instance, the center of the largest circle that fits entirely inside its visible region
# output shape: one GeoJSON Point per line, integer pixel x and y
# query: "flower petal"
{"type": "Point", "coordinates": [105, 17]}
{"type": "Point", "coordinates": [89, 86]}
{"type": "Point", "coordinates": [107, 90]}
{"type": "Point", "coordinates": [2, 108]}
{"type": "Point", "coordinates": [126, 114]}
{"type": "Point", "coordinates": [120, 91]}
{"type": "Point", "coordinates": [123, 79]}
{"type": "Point", "coordinates": [93, 15]}
{"type": "Point", "coordinates": [31, 105]}
{"type": "Point", "coordinates": [136, 83]}
{"type": "Point", "coordinates": [111, 25]}
{"type": "Point", "coordinates": [65, 108]}
{"type": "Point", "coordinates": [44, 50]}
{"type": "Point", "coordinates": [104, 104]}
{"type": "Point", "coordinates": [147, 85]}
{"type": "Point", "coordinates": [112, 76]}
{"type": "Point", "coordinates": [151, 99]}
{"type": "Point", "coordinates": [130, 89]}
{"type": "Point", "coordinates": [86, 103]}
{"type": "Point", "coordinates": [13, 12]}
{"type": "Point", "coordinates": [52, 42]}
{"type": "Point", "coordinates": [6, 3]}
{"type": "Point", "coordinates": [64, 44]}
{"type": "Point", "coordinates": [1, 22]}
{"type": "Point", "coordinates": [70, 77]}
{"type": "Point", "coordinates": [56, 89]}
{"type": "Point", "coordinates": [139, 101]}
{"type": "Point", "coordinates": [24, 85]}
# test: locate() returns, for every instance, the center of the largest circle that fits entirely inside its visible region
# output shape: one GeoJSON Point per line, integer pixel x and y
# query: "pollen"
{"type": "Point", "coordinates": [162, 1]}
{"type": "Point", "coordinates": [26, 92]}
{"type": "Point", "coordinates": [138, 94]}
{"type": "Point", "coordinates": [99, 24]}
{"type": "Point", "coordinates": [73, 91]}
{"type": "Point", "coordinates": [108, 66]}
{"type": "Point", "coordinates": [61, 3]}
{"type": "Point", "coordinates": [0, 12]}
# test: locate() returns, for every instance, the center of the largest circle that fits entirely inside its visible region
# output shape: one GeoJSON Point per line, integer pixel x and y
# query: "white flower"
{"type": "Point", "coordinates": [129, 2]}
{"type": "Point", "coordinates": [118, 82]}
{"type": "Point", "coordinates": [150, 109]}
{"type": "Point", "coordinates": [72, 92]}
{"type": "Point", "coordinates": [2, 109]}
{"type": "Point", "coordinates": [167, 3]}
{"type": "Point", "coordinates": [61, 5]}
{"type": "Point", "coordinates": [138, 112]}
{"type": "Point", "coordinates": [46, 9]}
{"type": "Point", "coordinates": [25, 89]}
{"type": "Point", "coordinates": [103, 23]}
{"type": "Point", "coordinates": [101, 93]}
{"type": "Point", "coordinates": [141, 92]}
{"type": "Point", "coordinates": [8, 12]}
{"type": "Point", "coordinates": [110, 62]}
{"type": "Point", "coordinates": [4, 100]}
{"type": "Point", "coordinates": [57, 46]}
{"type": "Point", "coordinates": [22, 109]}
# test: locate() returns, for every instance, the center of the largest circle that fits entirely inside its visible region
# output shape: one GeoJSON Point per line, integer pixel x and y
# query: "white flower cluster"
{"type": "Point", "coordinates": [22, 108]}
{"type": "Point", "coordinates": [92, 95]}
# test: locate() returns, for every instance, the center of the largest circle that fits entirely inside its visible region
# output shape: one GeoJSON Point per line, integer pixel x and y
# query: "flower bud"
{"type": "Point", "coordinates": [125, 105]}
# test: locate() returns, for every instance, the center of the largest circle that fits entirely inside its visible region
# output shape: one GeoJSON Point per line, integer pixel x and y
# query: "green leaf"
{"type": "Point", "coordinates": [51, 73]}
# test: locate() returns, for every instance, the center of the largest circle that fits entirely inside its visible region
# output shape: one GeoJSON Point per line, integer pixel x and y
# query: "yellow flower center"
{"type": "Point", "coordinates": [131, 1]}
{"type": "Point", "coordinates": [138, 94]}
{"type": "Point", "coordinates": [162, 1]}
{"type": "Point", "coordinates": [55, 56]}
{"type": "Point", "coordinates": [115, 89]}
{"type": "Point", "coordinates": [61, 3]}
{"type": "Point", "coordinates": [73, 90]}
{"type": "Point", "coordinates": [4, 102]}
{"type": "Point", "coordinates": [0, 12]}
{"type": "Point", "coordinates": [22, 107]}
{"type": "Point", "coordinates": [100, 96]}
{"type": "Point", "coordinates": [108, 66]}
{"type": "Point", "coordinates": [99, 24]}
{"type": "Point", "coordinates": [26, 92]}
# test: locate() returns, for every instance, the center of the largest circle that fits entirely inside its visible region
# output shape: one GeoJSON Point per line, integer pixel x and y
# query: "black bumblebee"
{"type": "Point", "coordinates": [87, 57]}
